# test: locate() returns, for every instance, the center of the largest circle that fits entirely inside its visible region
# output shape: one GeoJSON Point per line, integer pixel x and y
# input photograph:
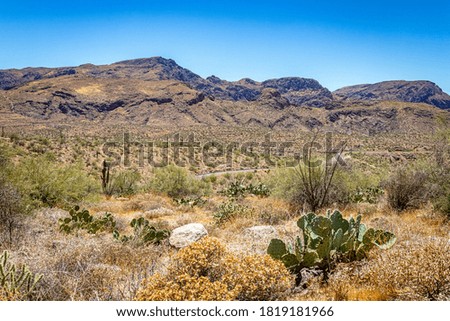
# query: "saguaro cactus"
{"type": "Point", "coordinates": [106, 182]}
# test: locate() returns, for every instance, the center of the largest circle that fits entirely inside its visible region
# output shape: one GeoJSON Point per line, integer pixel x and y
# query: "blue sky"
{"type": "Point", "coordinates": [338, 43]}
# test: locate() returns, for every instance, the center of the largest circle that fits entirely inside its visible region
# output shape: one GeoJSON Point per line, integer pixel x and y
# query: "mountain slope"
{"type": "Point", "coordinates": [298, 91]}
{"type": "Point", "coordinates": [406, 91]}
{"type": "Point", "coordinates": [158, 92]}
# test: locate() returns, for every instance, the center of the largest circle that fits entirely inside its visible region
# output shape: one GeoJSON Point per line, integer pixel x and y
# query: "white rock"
{"type": "Point", "coordinates": [263, 231]}
{"type": "Point", "coordinates": [187, 234]}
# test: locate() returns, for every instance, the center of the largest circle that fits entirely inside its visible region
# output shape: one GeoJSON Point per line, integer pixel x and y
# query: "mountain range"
{"type": "Point", "coordinates": [157, 91]}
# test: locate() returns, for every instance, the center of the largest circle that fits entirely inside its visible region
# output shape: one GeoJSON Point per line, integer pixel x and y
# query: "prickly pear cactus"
{"type": "Point", "coordinates": [82, 219]}
{"type": "Point", "coordinates": [328, 239]}
{"type": "Point", "coordinates": [144, 233]}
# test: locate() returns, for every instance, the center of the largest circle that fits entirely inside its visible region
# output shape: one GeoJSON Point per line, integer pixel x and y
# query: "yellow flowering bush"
{"type": "Point", "coordinates": [259, 277]}
{"type": "Point", "coordinates": [184, 287]}
{"type": "Point", "coordinates": [206, 271]}
{"type": "Point", "coordinates": [202, 258]}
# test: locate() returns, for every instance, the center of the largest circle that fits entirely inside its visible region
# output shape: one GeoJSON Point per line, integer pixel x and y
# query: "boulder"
{"type": "Point", "coordinates": [185, 235]}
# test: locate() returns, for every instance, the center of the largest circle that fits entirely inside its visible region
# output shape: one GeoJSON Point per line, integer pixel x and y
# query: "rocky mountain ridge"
{"type": "Point", "coordinates": [407, 91]}
{"type": "Point", "coordinates": [298, 91]}
{"type": "Point", "coordinates": [157, 91]}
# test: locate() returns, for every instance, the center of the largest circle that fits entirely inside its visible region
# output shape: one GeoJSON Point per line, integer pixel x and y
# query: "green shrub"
{"type": "Point", "coordinates": [210, 178]}
{"type": "Point", "coordinates": [355, 186]}
{"type": "Point", "coordinates": [4, 160]}
{"type": "Point", "coordinates": [11, 210]}
{"type": "Point", "coordinates": [6, 168]}
{"type": "Point", "coordinates": [230, 210]}
{"type": "Point", "coordinates": [177, 182]}
{"type": "Point", "coordinates": [249, 176]}
{"type": "Point", "coordinates": [440, 170]}
{"type": "Point", "coordinates": [190, 201]}
{"type": "Point", "coordinates": [347, 186]}
{"type": "Point", "coordinates": [11, 201]}
{"type": "Point", "coordinates": [125, 183]}
{"type": "Point", "coordinates": [238, 189]}
{"type": "Point", "coordinates": [407, 188]}
{"type": "Point", "coordinates": [121, 183]}
{"type": "Point", "coordinates": [46, 183]}
{"type": "Point", "coordinates": [283, 183]}
{"type": "Point", "coordinates": [444, 205]}
{"type": "Point", "coordinates": [439, 187]}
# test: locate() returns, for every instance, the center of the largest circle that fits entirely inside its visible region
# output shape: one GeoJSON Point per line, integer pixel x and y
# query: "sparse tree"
{"type": "Point", "coordinates": [11, 210]}
{"type": "Point", "coordinates": [406, 188]}
{"type": "Point", "coordinates": [316, 175]}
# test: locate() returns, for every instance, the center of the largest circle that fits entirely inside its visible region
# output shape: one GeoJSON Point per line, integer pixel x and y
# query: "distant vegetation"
{"type": "Point", "coordinates": [76, 226]}
{"type": "Point", "coordinates": [177, 182]}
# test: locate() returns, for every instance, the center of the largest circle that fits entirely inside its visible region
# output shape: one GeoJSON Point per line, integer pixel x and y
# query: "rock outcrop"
{"type": "Point", "coordinates": [405, 91]}
{"type": "Point", "coordinates": [187, 234]}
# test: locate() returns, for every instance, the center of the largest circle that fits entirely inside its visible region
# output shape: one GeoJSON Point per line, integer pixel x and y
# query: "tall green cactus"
{"type": "Point", "coordinates": [328, 239]}
{"type": "Point", "coordinates": [106, 179]}
{"type": "Point", "coordinates": [18, 282]}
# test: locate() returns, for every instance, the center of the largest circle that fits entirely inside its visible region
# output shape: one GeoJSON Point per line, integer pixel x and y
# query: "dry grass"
{"type": "Point", "coordinates": [87, 267]}
{"type": "Point", "coordinates": [89, 90]}
{"type": "Point", "coordinates": [7, 296]}
{"type": "Point", "coordinates": [413, 271]}
{"type": "Point", "coordinates": [418, 272]}
{"type": "Point", "coordinates": [84, 267]}
{"type": "Point", "coordinates": [98, 268]}
{"type": "Point", "coordinates": [94, 270]}
{"type": "Point", "coordinates": [269, 211]}
{"type": "Point", "coordinates": [139, 203]}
